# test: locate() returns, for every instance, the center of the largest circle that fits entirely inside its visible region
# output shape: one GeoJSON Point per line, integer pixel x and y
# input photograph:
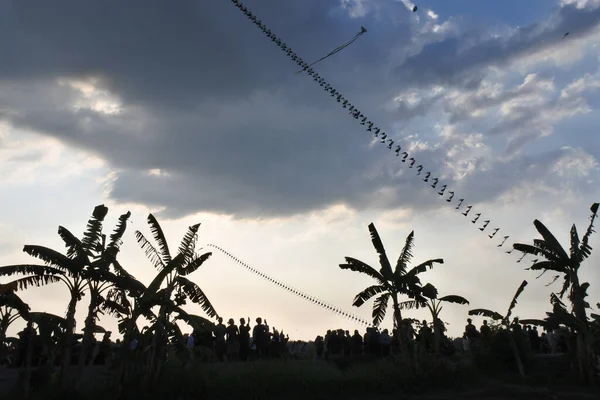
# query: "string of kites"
{"type": "Point", "coordinates": [292, 290]}
{"type": "Point", "coordinates": [442, 190]}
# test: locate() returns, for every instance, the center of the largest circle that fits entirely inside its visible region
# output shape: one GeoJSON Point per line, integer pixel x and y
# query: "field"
{"type": "Point", "coordinates": [356, 379]}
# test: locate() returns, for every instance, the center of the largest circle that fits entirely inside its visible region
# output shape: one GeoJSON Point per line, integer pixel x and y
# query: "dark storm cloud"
{"type": "Point", "coordinates": [449, 61]}
{"type": "Point", "coordinates": [209, 101]}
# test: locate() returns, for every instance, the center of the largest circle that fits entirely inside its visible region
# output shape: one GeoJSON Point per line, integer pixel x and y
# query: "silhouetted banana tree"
{"type": "Point", "coordinates": [505, 321]}
{"type": "Point", "coordinates": [390, 283]}
{"type": "Point", "coordinates": [435, 306]}
{"type": "Point", "coordinates": [11, 308]}
{"type": "Point", "coordinates": [99, 275]}
{"type": "Point", "coordinates": [555, 258]}
{"type": "Point", "coordinates": [75, 269]}
{"type": "Point", "coordinates": [50, 328]}
{"type": "Point", "coordinates": [177, 288]}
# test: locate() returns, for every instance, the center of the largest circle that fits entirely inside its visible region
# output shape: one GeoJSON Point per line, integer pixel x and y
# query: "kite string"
{"type": "Point", "coordinates": [292, 290]}
{"type": "Point", "coordinates": [346, 104]}
{"type": "Point", "coordinates": [334, 51]}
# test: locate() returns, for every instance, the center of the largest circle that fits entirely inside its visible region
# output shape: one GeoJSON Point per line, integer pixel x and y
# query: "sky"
{"type": "Point", "coordinates": [191, 113]}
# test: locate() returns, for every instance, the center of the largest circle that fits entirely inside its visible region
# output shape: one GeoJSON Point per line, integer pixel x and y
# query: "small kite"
{"type": "Point", "coordinates": [363, 30]}
{"type": "Point", "coordinates": [566, 34]}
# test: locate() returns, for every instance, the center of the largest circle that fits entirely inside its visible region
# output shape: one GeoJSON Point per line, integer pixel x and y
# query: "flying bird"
{"type": "Point", "coordinates": [435, 182]}
{"type": "Point", "coordinates": [427, 175]}
{"type": "Point", "coordinates": [503, 240]}
{"type": "Point", "coordinates": [363, 30]}
{"type": "Point", "coordinates": [566, 34]}
{"type": "Point", "coordinates": [441, 192]}
{"type": "Point", "coordinates": [449, 199]}
{"type": "Point", "coordinates": [467, 211]}
{"type": "Point", "coordinates": [494, 233]}
{"type": "Point", "coordinates": [485, 224]}
{"type": "Point", "coordinates": [476, 217]}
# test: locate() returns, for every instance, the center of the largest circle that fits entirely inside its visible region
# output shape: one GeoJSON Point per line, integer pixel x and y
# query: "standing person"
{"type": "Point", "coordinates": [485, 331]}
{"type": "Point", "coordinates": [258, 337]}
{"type": "Point", "coordinates": [220, 346]}
{"type": "Point", "coordinates": [470, 329]}
{"type": "Point", "coordinates": [244, 339]}
{"type": "Point", "coordinates": [232, 339]}
{"type": "Point", "coordinates": [190, 342]}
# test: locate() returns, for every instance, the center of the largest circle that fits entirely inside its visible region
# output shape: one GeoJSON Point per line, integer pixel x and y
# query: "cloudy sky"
{"type": "Point", "coordinates": [191, 113]}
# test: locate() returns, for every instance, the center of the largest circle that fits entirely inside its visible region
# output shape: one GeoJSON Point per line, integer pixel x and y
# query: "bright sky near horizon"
{"type": "Point", "coordinates": [191, 113]}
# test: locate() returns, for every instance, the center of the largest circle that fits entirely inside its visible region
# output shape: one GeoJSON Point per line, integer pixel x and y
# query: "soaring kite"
{"type": "Point", "coordinates": [363, 30]}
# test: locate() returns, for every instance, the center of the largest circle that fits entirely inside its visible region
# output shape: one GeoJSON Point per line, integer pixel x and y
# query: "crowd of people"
{"type": "Point", "coordinates": [382, 343]}
{"type": "Point", "coordinates": [550, 341]}
{"type": "Point", "coordinates": [238, 343]}
{"type": "Point", "coordinates": [244, 342]}
{"type": "Point", "coordinates": [229, 342]}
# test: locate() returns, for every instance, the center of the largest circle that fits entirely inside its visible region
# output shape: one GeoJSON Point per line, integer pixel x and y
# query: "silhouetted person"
{"type": "Point", "coordinates": [534, 338]}
{"type": "Point", "coordinates": [220, 346]}
{"type": "Point", "coordinates": [26, 337]}
{"type": "Point", "coordinates": [105, 350]}
{"type": "Point", "coordinates": [244, 339]}
{"type": "Point", "coordinates": [470, 330]}
{"type": "Point", "coordinates": [485, 331]}
{"type": "Point", "coordinates": [347, 343]}
{"type": "Point", "coordinates": [357, 343]}
{"type": "Point", "coordinates": [319, 346]}
{"type": "Point", "coordinates": [259, 337]}
{"type": "Point", "coordinates": [385, 342]}
{"type": "Point", "coordinates": [426, 336]}
{"type": "Point", "coordinates": [232, 339]}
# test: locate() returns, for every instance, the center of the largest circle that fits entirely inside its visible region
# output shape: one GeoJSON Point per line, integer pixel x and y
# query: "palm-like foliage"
{"type": "Point", "coordinates": [11, 308]}
{"type": "Point", "coordinates": [555, 258]}
{"type": "Point", "coordinates": [84, 262]}
{"type": "Point", "coordinates": [435, 306]}
{"type": "Point", "coordinates": [391, 282]}
{"type": "Point", "coordinates": [98, 274]}
{"type": "Point", "coordinates": [172, 272]}
{"type": "Point", "coordinates": [505, 321]}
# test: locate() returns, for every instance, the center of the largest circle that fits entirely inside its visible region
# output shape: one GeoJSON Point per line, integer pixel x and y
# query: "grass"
{"type": "Point", "coordinates": [344, 379]}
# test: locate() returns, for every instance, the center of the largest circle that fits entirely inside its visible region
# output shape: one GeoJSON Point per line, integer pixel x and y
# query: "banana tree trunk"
{"type": "Point", "coordinates": [4, 322]}
{"type": "Point", "coordinates": [585, 354]}
{"type": "Point", "coordinates": [437, 336]}
{"type": "Point", "coordinates": [126, 352]}
{"type": "Point", "coordinates": [88, 329]}
{"type": "Point", "coordinates": [403, 338]}
{"type": "Point", "coordinates": [88, 332]}
{"type": "Point", "coordinates": [68, 340]}
{"type": "Point", "coordinates": [27, 372]}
